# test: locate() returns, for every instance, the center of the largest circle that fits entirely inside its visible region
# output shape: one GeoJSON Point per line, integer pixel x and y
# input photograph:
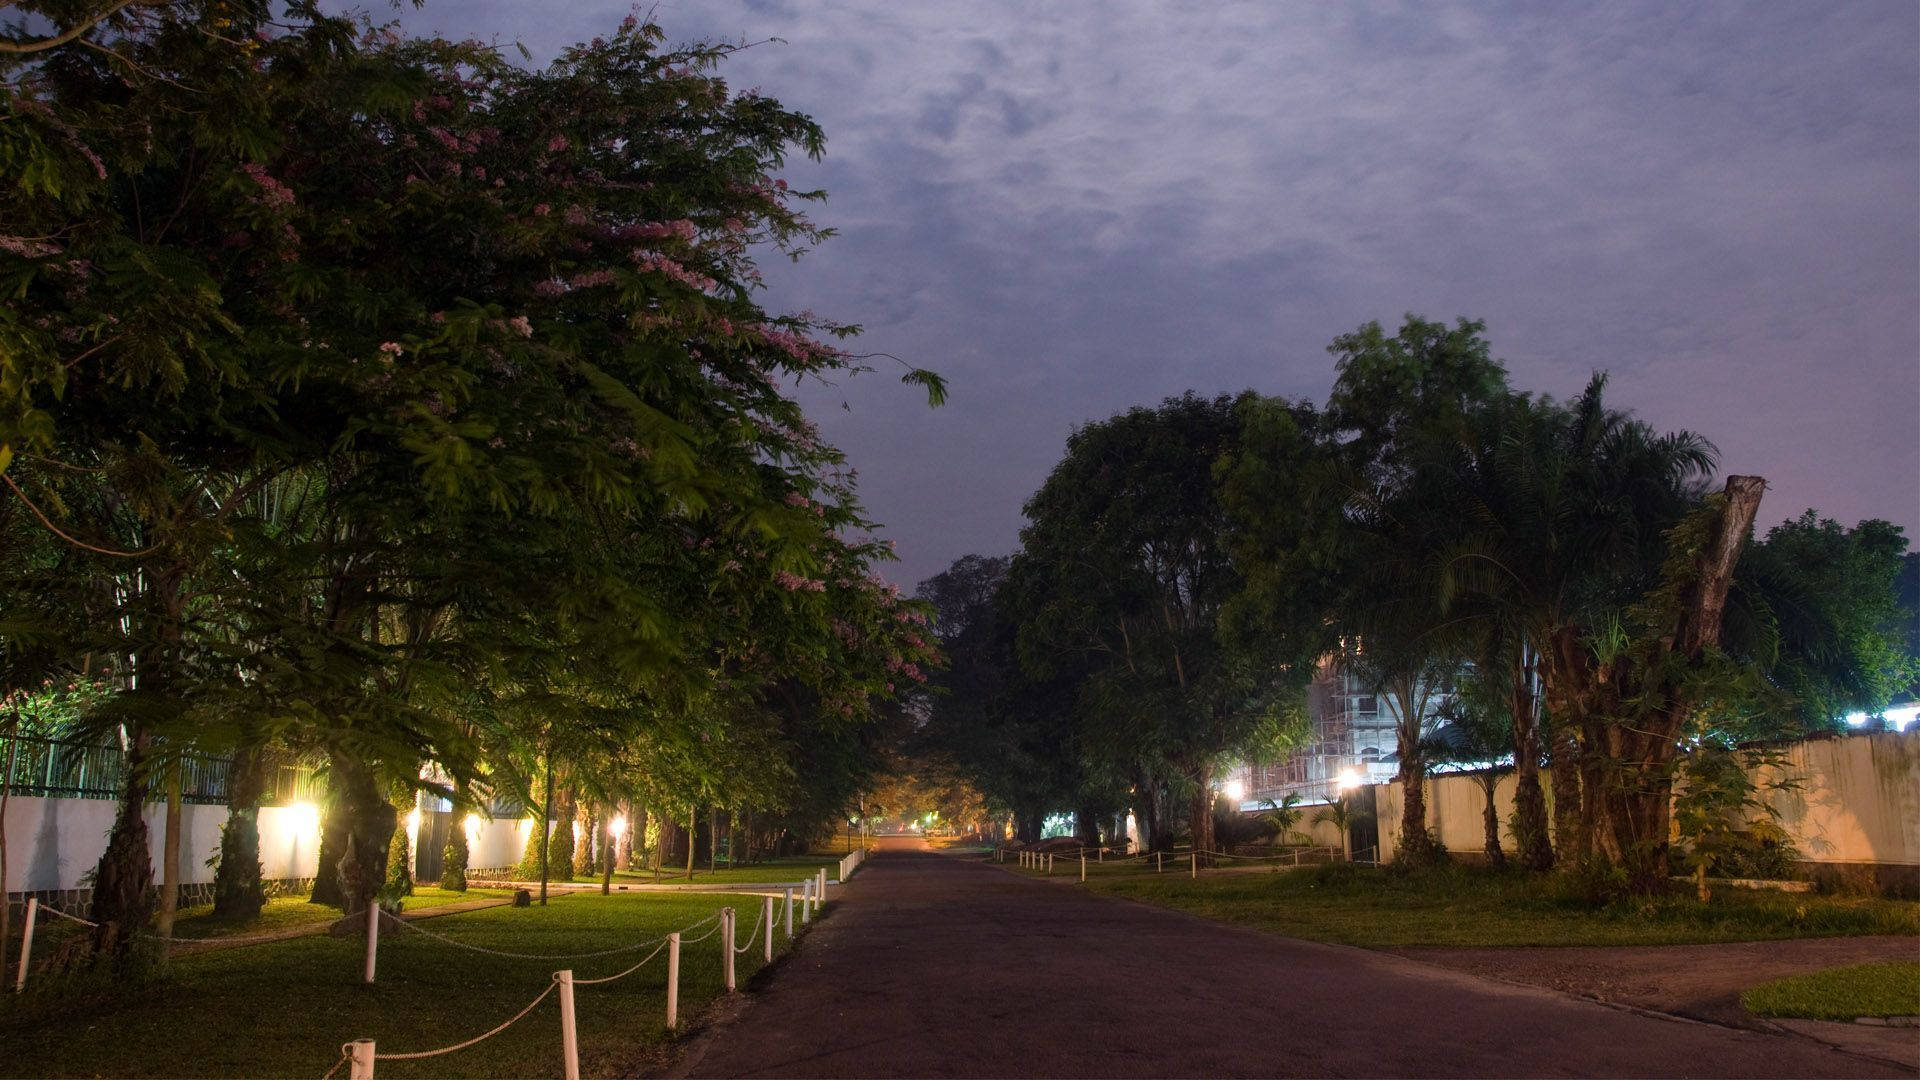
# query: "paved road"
{"type": "Point", "coordinates": [938, 966]}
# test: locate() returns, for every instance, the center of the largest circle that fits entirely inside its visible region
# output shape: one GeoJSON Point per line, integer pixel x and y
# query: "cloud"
{"type": "Point", "coordinates": [1072, 208]}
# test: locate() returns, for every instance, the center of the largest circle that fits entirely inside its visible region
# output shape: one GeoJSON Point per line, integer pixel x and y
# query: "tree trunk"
{"type": "Point", "coordinates": [1086, 826]}
{"type": "Point", "coordinates": [713, 837]}
{"type": "Point", "coordinates": [1564, 768]}
{"type": "Point", "coordinates": [123, 879]}
{"type": "Point", "coordinates": [1202, 811]}
{"type": "Point", "coordinates": [639, 831]}
{"type": "Point", "coordinates": [606, 853]}
{"type": "Point", "coordinates": [1490, 820]}
{"type": "Point", "coordinates": [586, 863]}
{"type": "Point", "coordinates": [238, 893]}
{"type": "Point", "coordinates": [369, 820]}
{"type": "Point", "coordinates": [1032, 824]}
{"type": "Point", "coordinates": [6, 796]}
{"type": "Point", "coordinates": [1637, 789]}
{"type": "Point", "coordinates": [333, 844]}
{"type": "Point", "coordinates": [1529, 804]}
{"type": "Point", "coordinates": [1416, 847]}
{"type": "Point", "coordinates": [546, 839]}
{"type": "Point", "coordinates": [170, 855]}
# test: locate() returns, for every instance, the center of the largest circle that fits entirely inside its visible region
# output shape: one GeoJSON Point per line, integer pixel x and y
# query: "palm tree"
{"type": "Point", "coordinates": [1563, 512]}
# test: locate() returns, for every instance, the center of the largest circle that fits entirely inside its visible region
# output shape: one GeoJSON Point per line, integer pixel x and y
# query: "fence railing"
{"type": "Point", "coordinates": [71, 769]}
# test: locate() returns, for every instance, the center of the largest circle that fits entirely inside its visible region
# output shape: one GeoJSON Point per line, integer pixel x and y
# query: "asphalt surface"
{"type": "Point", "coordinates": [940, 966]}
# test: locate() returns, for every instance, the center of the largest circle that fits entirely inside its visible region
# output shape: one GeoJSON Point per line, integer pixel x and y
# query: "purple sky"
{"type": "Point", "coordinates": [1069, 209]}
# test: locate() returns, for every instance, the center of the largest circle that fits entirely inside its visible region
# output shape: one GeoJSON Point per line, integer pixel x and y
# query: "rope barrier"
{"type": "Point", "coordinates": [577, 981]}
{"type": "Point", "coordinates": [659, 944]}
{"type": "Point", "coordinates": [547, 956]}
{"type": "Point", "coordinates": [757, 920]}
{"type": "Point", "coordinates": [346, 1050]}
{"type": "Point", "coordinates": [69, 918]}
{"type": "Point", "coordinates": [705, 936]}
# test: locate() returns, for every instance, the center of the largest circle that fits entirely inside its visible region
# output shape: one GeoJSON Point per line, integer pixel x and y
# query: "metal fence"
{"type": "Point", "coordinates": [69, 769]}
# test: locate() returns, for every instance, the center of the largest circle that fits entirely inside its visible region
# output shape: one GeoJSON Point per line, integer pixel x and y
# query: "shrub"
{"type": "Point", "coordinates": [453, 861]}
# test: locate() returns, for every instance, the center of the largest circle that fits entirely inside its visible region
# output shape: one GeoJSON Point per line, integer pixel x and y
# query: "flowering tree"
{"type": "Point", "coordinates": [376, 369]}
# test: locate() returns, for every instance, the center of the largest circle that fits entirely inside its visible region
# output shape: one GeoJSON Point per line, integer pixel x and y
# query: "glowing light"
{"type": "Point", "coordinates": [473, 824]}
{"type": "Point", "coordinates": [1348, 779]}
{"type": "Point", "coordinates": [1897, 718]}
{"type": "Point", "coordinates": [1234, 790]}
{"type": "Point", "coordinates": [618, 826]}
{"type": "Point", "coordinates": [413, 821]}
{"type": "Point", "coordinates": [306, 817]}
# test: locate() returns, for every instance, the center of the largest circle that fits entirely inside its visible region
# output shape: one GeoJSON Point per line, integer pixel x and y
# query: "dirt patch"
{"type": "Point", "coordinates": [1700, 982]}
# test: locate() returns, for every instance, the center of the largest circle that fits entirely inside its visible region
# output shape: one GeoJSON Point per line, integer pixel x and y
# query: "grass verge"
{"type": "Point", "coordinates": [1841, 993]}
{"type": "Point", "coordinates": [285, 1008]}
{"type": "Point", "coordinates": [1468, 907]}
{"type": "Point", "coordinates": [287, 912]}
{"type": "Point", "coordinates": [792, 868]}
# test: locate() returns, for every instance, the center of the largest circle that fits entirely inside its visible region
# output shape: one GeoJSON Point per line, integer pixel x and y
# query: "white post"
{"type": "Point", "coordinates": [789, 912]}
{"type": "Point", "coordinates": [26, 942]}
{"type": "Point", "coordinates": [1159, 862]}
{"type": "Point", "coordinates": [766, 916]}
{"type": "Point", "coordinates": [822, 890]}
{"type": "Point", "coordinates": [569, 1038]}
{"type": "Point", "coordinates": [373, 935]}
{"type": "Point", "coordinates": [673, 980]}
{"type": "Point", "coordinates": [360, 1059]}
{"type": "Point", "coordinates": [726, 946]}
{"type": "Point", "coordinates": [806, 901]}
{"type": "Point", "coordinates": [1083, 868]}
{"type": "Point", "coordinates": [1100, 854]}
{"type": "Point", "coordinates": [1195, 857]}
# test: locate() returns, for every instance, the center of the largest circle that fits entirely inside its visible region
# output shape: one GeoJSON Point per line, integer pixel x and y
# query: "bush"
{"type": "Point", "coordinates": [399, 866]}
{"type": "Point", "coordinates": [453, 861]}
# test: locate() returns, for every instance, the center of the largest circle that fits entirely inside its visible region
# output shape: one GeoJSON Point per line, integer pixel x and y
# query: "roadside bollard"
{"type": "Point", "coordinates": [726, 946]}
{"type": "Point", "coordinates": [823, 886]}
{"type": "Point", "coordinates": [569, 1038]}
{"type": "Point", "coordinates": [26, 943]}
{"type": "Point", "coordinates": [373, 935]}
{"type": "Point", "coordinates": [1196, 863]}
{"type": "Point", "coordinates": [806, 901]}
{"type": "Point", "coordinates": [789, 912]}
{"type": "Point", "coordinates": [1083, 868]}
{"type": "Point", "coordinates": [766, 917]}
{"type": "Point", "coordinates": [673, 980]}
{"type": "Point", "coordinates": [1159, 862]}
{"type": "Point", "coordinates": [360, 1059]}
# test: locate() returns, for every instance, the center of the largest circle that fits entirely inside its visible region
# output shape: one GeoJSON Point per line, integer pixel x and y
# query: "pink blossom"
{"type": "Point", "coordinates": [557, 143]}
{"type": "Point", "coordinates": [647, 260]}
{"type": "Point", "coordinates": [541, 209]}
{"type": "Point", "coordinates": [521, 326]}
{"type": "Point", "coordinates": [392, 348]}
{"type": "Point", "coordinates": [272, 191]}
{"type": "Point", "coordinates": [796, 583]}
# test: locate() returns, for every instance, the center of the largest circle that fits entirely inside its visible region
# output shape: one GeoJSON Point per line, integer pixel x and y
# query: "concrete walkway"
{"type": "Point", "coordinates": [935, 966]}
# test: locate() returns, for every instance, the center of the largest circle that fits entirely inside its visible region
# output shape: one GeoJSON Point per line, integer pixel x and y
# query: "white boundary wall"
{"type": "Point", "coordinates": [1857, 801]}
{"type": "Point", "coordinates": [53, 843]}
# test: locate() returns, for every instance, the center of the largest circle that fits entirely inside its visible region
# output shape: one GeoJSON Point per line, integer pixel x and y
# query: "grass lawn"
{"type": "Point", "coordinates": [284, 1009]}
{"type": "Point", "coordinates": [1465, 907]}
{"type": "Point", "coordinates": [1841, 993]}
{"type": "Point", "coordinates": [284, 912]}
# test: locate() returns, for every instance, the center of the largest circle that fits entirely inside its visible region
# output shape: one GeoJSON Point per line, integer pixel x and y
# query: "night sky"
{"type": "Point", "coordinates": [1069, 209]}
